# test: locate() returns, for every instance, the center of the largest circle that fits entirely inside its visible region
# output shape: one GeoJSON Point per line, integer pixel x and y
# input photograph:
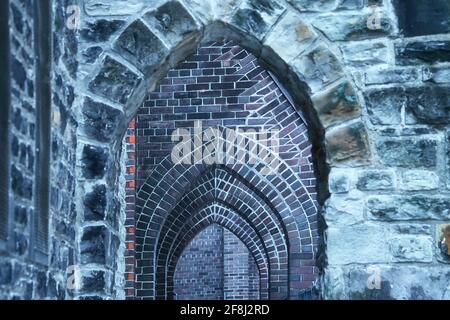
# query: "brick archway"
{"type": "Point", "coordinates": [146, 49]}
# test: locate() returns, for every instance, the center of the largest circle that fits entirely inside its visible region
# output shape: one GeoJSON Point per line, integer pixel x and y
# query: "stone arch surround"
{"type": "Point", "coordinates": [383, 217]}
{"type": "Point", "coordinates": [328, 102]}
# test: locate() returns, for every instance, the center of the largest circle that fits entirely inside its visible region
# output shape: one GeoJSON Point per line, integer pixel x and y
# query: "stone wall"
{"type": "Point", "coordinates": [371, 90]}
{"type": "Point", "coordinates": [372, 84]}
{"type": "Point", "coordinates": [15, 280]}
{"type": "Point", "coordinates": [20, 278]}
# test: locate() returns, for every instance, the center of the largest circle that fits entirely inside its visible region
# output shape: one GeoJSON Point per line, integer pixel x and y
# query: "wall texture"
{"type": "Point", "coordinates": [216, 265]}
{"type": "Point", "coordinates": [371, 82]}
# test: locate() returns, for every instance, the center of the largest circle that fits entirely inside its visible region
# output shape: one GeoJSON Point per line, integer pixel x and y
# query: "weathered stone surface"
{"type": "Point", "coordinates": [350, 4]}
{"type": "Point", "coordinates": [385, 105]}
{"type": "Point", "coordinates": [400, 282]}
{"type": "Point", "coordinates": [113, 7]}
{"type": "Point", "coordinates": [257, 16]}
{"type": "Point", "coordinates": [442, 241]}
{"type": "Point", "coordinates": [100, 30]}
{"type": "Point", "coordinates": [139, 45]}
{"type": "Point", "coordinates": [95, 204]}
{"type": "Point", "coordinates": [448, 159]}
{"type": "Point", "coordinates": [314, 5]}
{"type": "Point", "coordinates": [339, 181]}
{"type": "Point", "coordinates": [114, 81]}
{"type": "Point", "coordinates": [348, 143]}
{"type": "Point", "coordinates": [93, 245]}
{"type": "Point", "coordinates": [94, 162]}
{"type": "Point", "coordinates": [375, 180]}
{"type": "Point", "coordinates": [91, 54]}
{"type": "Point", "coordinates": [384, 76]}
{"type": "Point", "coordinates": [345, 210]}
{"type": "Point", "coordinates": [173, 21]}
{"type": "Point", "coordinates": [288, 44]}
{"type": "Point", "coordinates": [369, 240]}
{"type": "Point", "coordinates": [412, 248]}
{"type": "Point", "coordinates": [417, 207]}
{"type": "Point", "coordinates": [93, 281]}
{"type": "Point", "coordinates": [412, 229]}
{"type": "Point", "coordinates": [422, 52]}
{"type": "Point", "coordinates": [5, 273]}
{"type": "Point", "coordinates": [337, 104]}
{"type": "Point", "coordinates": [416, 180]}
{"type": "Point", "coordinates": [100, 121]}
{"type": "Point", "coordinates": [429, 105]}
{"type": "Point", "coordinates": [418, 17]}
{"type": "Point", "coordinates": [436, 74]}
{"type": "Point", "coordinates": [318, 68]}
{"type": "Point", "coordinates": [408, 152]}
{"type": "Point", "coordinates": [352, 26]}
{"type": "Point", "coordinates": [361, 54]}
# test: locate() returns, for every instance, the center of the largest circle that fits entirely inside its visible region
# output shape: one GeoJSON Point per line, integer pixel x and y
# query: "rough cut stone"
{"type": "Point", "coordinates": [91, 54]}
{"type": "Point", "coordinates": [418, 207]}
{"type": "Point", "coordinates": [385, 105]}
{"type": "Point", "coordinates": [339, 181]}
{"type": "Point", "coordinates": [418, 17]}
{"type": "Point", "coordinates": [352, 26]}
{"type": "Point", "coordinates": [93, 245]}
{"type": "Point", "coordinates": [422, 52]}
{"type": "Point", "coordinates": [442, 241]}
{"type": "Point", "coordinates": [399, 282]}
{"type": "Point", "coordinates": [138, 44]}
{"type": "Point", "coordinates": [385, 76]}
{"type": "Point", "coordinates": [95, 204]}
{"type": "Point", "coordinates": [345, 210]}
{"type": "Point", "coordinates": [100, 30]}
{"type": "Point", "coordinates": [348, 143]}
{"type": "Point", "coordinates": [361, 54]}
{"type": "Point", "coordinates": [114, 81]}
{"type": "Point", "coordinates": [350, 4]}
{"type": "Point", "coordinates": [318, 68]}
{"type": "Point", "coordinates": [173, 21]}
{"type": "Point", "coordinates": [429, 105]}
{"type": "Point", "coordinates": [412, 248]}
{"type": "Point", "coordinates": [100, 121]}
{"type": "Point", "coordinates": [412, 229]}
{"type": "Point", "coordinates": [416, 180]}
{"type": "Point", "coordinates": [375, 180]}
{"type": "Point", "coordinates": [288, 44]}
{"type": "Point", "coordinates": [257, 16]}
{"type": "Point", "coordinates": [93, 281]}
{"type": "Point", "coordinates": [314, 5]}
{"type": "Point", "coordinates": [113, 7]}
{"type": "Point", "coordinates": [368, 239]}
{"type": "Point", "coordinates": [448, 159]}
{"type": "Point", "coordinates": [408, 152]}
{"type": "Point", "coordinates": [337, 104]}
{"type": "Point", "coordinates": [5, 273]}
{"type": "Point", "coordinates": [436, 74]}
{"type": "Point", "coordinates": [94, 162]}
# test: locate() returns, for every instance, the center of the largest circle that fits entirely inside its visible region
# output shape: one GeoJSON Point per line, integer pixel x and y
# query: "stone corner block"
{"type": "Point", "coordinates": [337, 104]}
{"type": "Point", "coordinates": [348, 143]}
{"type": "Point", "coordinates": [114, 81]}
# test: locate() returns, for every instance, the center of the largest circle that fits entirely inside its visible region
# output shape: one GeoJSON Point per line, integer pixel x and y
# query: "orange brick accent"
{"type": "Point", "coordinates": [132, 139]}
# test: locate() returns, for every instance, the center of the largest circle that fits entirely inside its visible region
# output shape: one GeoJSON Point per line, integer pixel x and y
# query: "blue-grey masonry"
{"type": "Point", "coordinates": [403, 77]}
